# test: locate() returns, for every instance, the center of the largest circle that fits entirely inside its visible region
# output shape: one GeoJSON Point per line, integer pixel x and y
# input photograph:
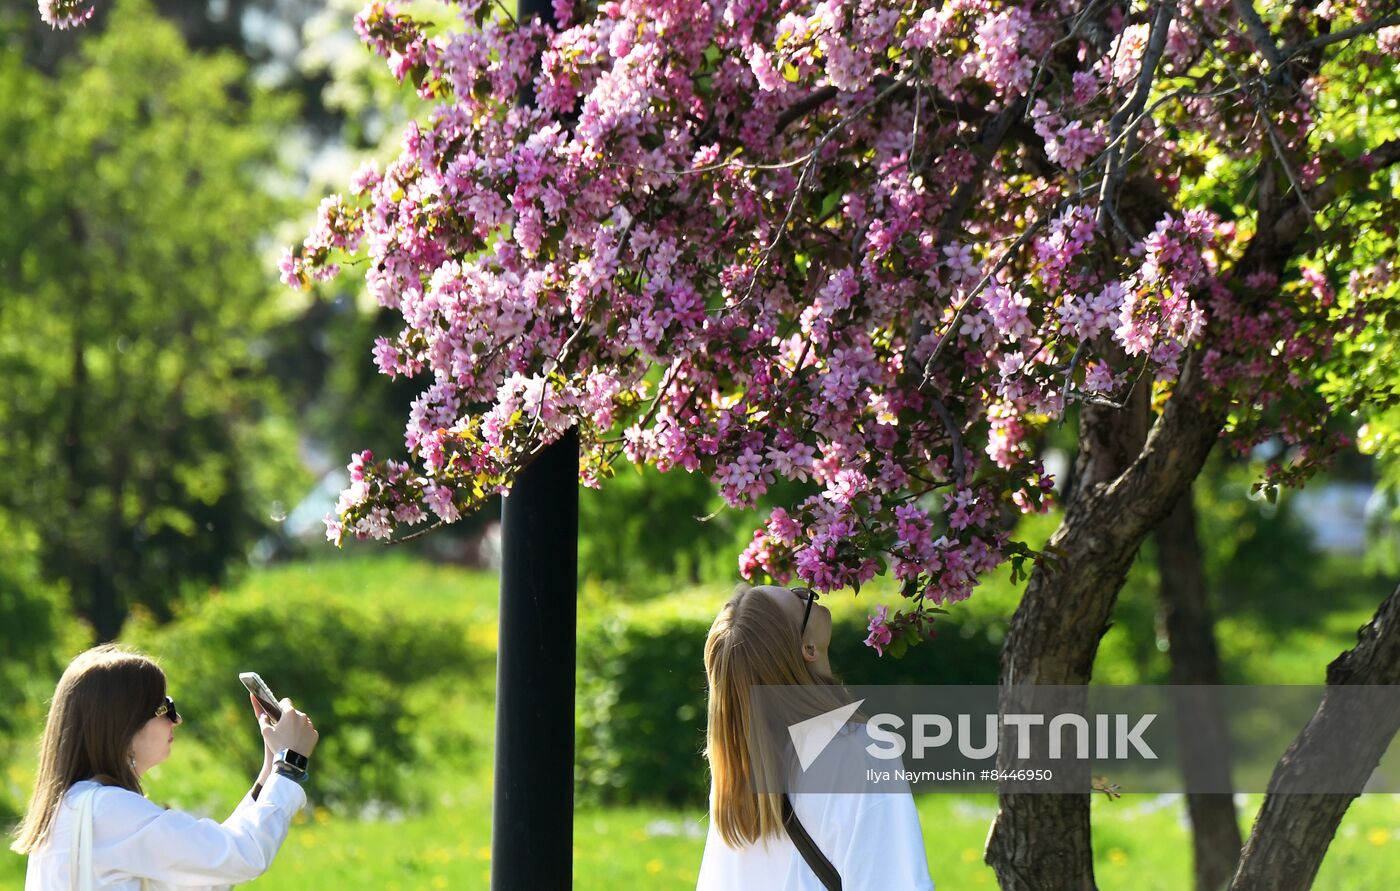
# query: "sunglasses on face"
{"type": "Point", "coordinates": [167, 710]}
{"type": "Point", "coordinates": [810, 596]}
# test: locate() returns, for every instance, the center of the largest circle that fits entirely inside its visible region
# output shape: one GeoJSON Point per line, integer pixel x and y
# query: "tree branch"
{"type": "Point", "coordinates": [994, 133]}
{"type": "Point", "coordinates": [802, 106]}
{"type": "Point", "coordinates": [1339, 36]}
{"type": "Point", "coordinates": [1293, 829]}
{"type": "Point", "coordinates": [1001, 264]}
{"type": "Point", "coordinates": [1115, 171]}
{"type": "Point", "coordinates": [1292, 224]}
{"type": "Point", "coordinates": [959, 462]}
{"type": "Point", "coordinates": [1261, 38]}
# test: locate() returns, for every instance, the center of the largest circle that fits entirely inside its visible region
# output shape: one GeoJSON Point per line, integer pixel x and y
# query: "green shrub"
{"type": "Point", "coordinates": [641, 688]}
{"type": "Point", "coordinates": [382, 683]}
{"type": "Point", "coordinates": [640, 706]}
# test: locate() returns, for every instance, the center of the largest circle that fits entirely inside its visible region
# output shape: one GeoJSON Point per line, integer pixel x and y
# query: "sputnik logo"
{"type": "Point", "coordinates": [811, 737]}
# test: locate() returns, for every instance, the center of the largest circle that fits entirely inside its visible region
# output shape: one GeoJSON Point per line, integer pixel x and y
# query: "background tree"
{"type": "Point", "coordinates": [134, 303]}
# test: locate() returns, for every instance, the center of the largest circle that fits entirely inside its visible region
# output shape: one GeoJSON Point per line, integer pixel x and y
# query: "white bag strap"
{"type": "Point", "coordinates": [81, 859]}
{"type": "Point", "coordinates": [82, 843]}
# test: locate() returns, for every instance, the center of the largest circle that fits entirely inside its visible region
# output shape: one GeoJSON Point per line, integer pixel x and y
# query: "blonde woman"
{"type": "Point", "coordinates": [851, 841]}
{"type": "Point", "coordinates": [90, 826]}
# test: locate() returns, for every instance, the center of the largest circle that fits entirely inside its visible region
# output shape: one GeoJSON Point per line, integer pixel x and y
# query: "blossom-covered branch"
{"type": "Point", "coordinates": [863, 247]}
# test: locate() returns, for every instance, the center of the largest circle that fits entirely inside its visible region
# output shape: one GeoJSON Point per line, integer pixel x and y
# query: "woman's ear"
{"type": "Point", "coordinates": [809, 652]}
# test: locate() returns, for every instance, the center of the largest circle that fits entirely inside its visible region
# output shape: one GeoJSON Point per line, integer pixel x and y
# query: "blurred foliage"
{"type": "Point", "coordinates": [36, 632]}
{"type": "Point", "coordinates": [381, 682]}
{"type": "Point", "coordinates": [35, 627]}
{"type": "Point", "coordinates": [139, 433]}
{"type": "Point", "coordinates": [645, 532]}
{"type": "Point", "coordinates": [1258, 555]}
{"type": "Point", "coordinates": [1283, 608]}
{"type": "Point", "coordinates": [1355, 250]}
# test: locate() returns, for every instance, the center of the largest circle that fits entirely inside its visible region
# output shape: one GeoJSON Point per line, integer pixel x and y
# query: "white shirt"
{"type": "Point", "coordinates": [133, 839]}
{"type": "Point", "coordinates": [873, 839]}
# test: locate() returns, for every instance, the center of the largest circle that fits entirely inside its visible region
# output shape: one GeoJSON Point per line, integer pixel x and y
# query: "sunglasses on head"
{"type": "Point", "coordinates": [811, 597]}
{"type": "Point", "coordinates": [167, 710]}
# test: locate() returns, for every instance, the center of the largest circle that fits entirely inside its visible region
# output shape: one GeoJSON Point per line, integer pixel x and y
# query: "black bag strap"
{"type": "Point", "coordinates": [826, 873]}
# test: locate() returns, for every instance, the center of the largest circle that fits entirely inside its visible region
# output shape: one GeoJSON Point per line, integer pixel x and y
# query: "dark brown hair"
{"type": "Point", "coordinates": [105, 696]}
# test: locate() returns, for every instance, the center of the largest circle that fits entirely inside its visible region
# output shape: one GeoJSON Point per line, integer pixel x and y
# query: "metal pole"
{"type": "Point", "coordinates": [532, 806]}
{"type": "Point", "coordinates": [532, 803]}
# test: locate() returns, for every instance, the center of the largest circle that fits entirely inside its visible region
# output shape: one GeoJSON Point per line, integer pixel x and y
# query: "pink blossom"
{"type": "Point", "coordinates": [440, 499]}
{"type": "Point", "coordinates": [880, 632]}
{"type": "Point", "coordinates": [64, 14]}
{"type": "Point", "coordinates": [657, 254]}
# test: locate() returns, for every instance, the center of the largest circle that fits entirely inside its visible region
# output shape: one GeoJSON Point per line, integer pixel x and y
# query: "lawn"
{"type": "Point", "coordinates": [1141, 845]}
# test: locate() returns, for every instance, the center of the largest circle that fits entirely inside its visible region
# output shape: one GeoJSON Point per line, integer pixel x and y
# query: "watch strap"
{"type": "Point", "coordinates": [286, 770]}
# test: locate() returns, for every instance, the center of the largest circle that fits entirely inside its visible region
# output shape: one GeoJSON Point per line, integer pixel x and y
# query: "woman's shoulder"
{"type": "Point", "coordinates": [109, 798]}
{"type": "Point", "coordinates": [855, 742]}
{"type": "Point", "coordinates": [853, 761]}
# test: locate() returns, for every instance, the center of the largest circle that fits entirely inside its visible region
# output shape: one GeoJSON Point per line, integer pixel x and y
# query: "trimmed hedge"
{"type": "Point", "coordinates": [641, 689]}
{"type": "Point", "coordinates": [383, 683]}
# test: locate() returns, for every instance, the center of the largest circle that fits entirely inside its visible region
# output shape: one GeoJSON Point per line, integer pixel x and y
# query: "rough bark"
{"type": "Point", "coordinates": [1292, 831]}
{"type": "Point", "coordinates": [1195, 661]}
{"type": "Point", "coordinates": [1041, 842]}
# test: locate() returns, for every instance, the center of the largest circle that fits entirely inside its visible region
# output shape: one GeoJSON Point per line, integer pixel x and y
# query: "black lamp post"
{"type": "Point", "coordinates": [532, 820]}
{"type": "Point", "coordinates": [532, 803]}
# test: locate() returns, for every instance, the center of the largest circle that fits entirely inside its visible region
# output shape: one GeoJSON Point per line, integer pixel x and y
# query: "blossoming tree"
{"type": "Point", "coordinates": [877, 247]}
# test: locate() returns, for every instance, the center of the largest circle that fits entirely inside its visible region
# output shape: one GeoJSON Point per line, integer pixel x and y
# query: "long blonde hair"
{"type": "Point", "coordinates": [105, 696]}
{"type": "Point", "coordinates": [752, 642]}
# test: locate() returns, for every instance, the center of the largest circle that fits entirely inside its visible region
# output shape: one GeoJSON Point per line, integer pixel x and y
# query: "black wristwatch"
{"type": "Point", "coordinates": [291, 764]}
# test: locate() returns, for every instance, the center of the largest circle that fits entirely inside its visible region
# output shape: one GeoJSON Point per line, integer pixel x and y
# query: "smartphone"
{"type": "Point", "coordinates": [259, 689]}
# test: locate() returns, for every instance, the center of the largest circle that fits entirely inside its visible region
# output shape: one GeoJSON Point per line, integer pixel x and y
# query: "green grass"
{"type": "Point", "coordinates": [1140, 845]}
{"type": "Point", "coordinates": [1141, 842]}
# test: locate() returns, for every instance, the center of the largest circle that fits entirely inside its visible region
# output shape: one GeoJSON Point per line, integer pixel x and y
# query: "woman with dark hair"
{"type": "Point", "coordinates": [761, 839]}
{"type": "Point", "coordinates": [89, 824]}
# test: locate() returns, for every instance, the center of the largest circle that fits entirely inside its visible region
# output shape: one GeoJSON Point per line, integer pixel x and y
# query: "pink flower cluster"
{"type": "Point", "coordinates": [885, 629]}
{"type": "Point", "coordinates": [64, 14]}
{"type": "Point", "coordinates": [880, 631]}
{"type": "Point", "coordinates": [719, 241]}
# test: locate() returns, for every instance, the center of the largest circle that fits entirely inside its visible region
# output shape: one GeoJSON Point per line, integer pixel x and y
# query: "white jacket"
{"type": "Point", "coordinates": [873, 839]}
{"type": "Point", "coordinates": [135, 839]}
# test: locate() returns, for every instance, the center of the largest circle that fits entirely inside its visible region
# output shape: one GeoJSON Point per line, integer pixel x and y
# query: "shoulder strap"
{"type": "Point", "coordinates": [81, 854]}
{"type": "Point", "coordinates": [816, 860]}
{"type": "Point", "coordinates": [80, 857]}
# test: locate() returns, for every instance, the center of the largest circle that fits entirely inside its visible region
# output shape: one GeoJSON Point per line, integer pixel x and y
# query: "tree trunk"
{"type": "Point", "coordinates": [91, 589]}
{"type": "Point", "coordinates": [1041, 842]}
{"type": "Point", "coordinates": [1215, 827]}
{"type": "Point", "coordinates": [1292, 832]}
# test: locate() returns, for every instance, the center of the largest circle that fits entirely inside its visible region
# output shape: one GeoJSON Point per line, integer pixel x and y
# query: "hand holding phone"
{"type": "Point", "coordinates": [262, 693]}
